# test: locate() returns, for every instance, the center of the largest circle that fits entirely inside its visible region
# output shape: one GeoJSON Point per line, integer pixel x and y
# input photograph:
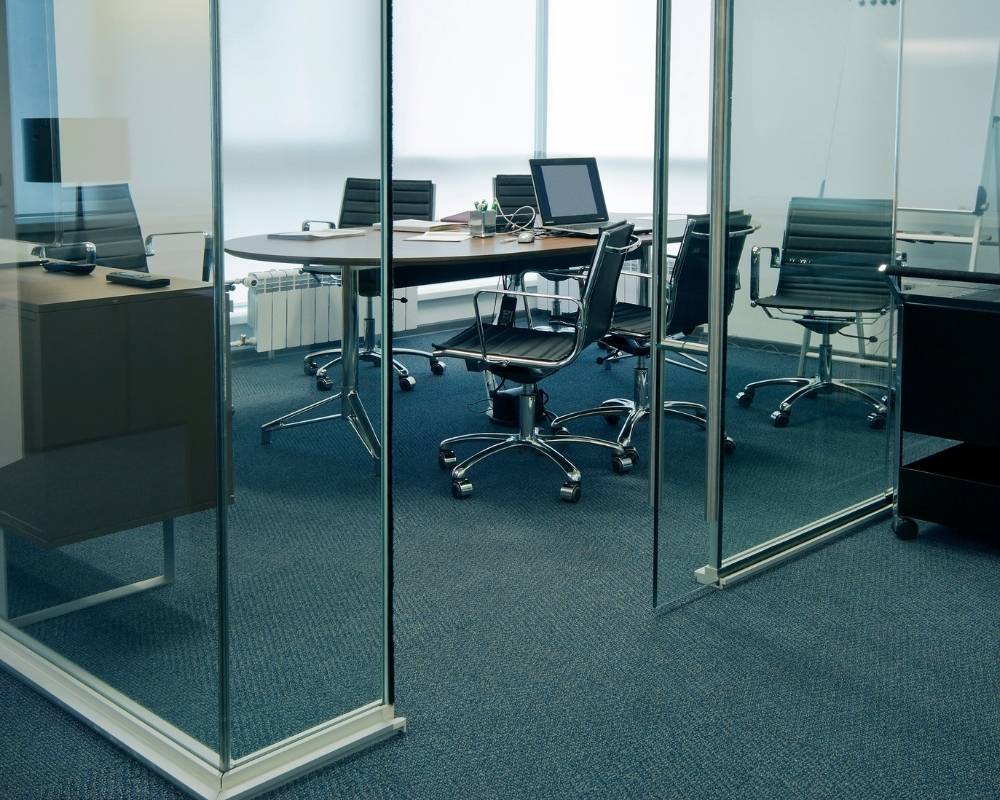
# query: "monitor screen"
{"type": "Point", "coordinates": [568, 190]}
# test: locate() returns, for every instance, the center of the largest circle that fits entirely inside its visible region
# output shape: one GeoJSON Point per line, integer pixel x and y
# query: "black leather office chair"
{"type": "Point", "coordinates": [527, 355]}
{"type": "Point", "coordinates": [513, 192]}
{"type": "Point", "coordinates": [828, 275]}
{"type": "Point", "coordinates": [99, 223]}
{"type": "Point", "coordinates": [360, 208]}
{"type": "Point", "coordinates": [687, 310]}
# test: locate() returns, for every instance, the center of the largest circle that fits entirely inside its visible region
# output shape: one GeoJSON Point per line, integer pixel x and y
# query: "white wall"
{"type": "Point", "coordinates": [148, 63]}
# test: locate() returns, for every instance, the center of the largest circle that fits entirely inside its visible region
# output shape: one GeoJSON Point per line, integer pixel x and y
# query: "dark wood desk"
{"type": "Point", "coordinates": [118, 404]}
{"type": "Point", "coordinates": [414, 264]}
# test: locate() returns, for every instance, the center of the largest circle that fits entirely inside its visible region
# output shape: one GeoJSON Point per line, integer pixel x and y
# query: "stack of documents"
{"type": "Point", "coordinates": [418, 225]}
{"type": "Point", "coordinates": [322, 233]}
{"type": "Point", "coordinates": [441, 236]}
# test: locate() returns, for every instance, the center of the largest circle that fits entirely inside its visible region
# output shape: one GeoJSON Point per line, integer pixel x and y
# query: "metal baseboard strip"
{"type": "Point", "coordinates": [127, 730]}
{"type": "Point", "coordinates": [178, 758]}
{"type": "Point", "coordinates": [796, 543]}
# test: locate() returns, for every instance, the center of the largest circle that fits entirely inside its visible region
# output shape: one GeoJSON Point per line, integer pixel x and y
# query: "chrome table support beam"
{"type": "Point", "coordinates": [351, 408]}
{"type": "Point", "coordinates": [165, 578]}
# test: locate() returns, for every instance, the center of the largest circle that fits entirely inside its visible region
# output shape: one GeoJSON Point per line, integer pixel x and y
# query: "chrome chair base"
{"type": "Point", "coordinates": [824, 382]}
{"type": "Point", "coordinates": [370, 352]}
{"type": "Point", "coordinates": [527, 438]}
{"type": "Point", "coordinates": [637, 409]}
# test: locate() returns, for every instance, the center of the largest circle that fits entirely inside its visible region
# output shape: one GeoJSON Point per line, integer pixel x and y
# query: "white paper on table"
{"type": "Point", "coordinates": [440, 236]}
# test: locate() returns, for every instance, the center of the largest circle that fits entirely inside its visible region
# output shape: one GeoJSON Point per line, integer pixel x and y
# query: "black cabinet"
{"type": "Point", "coordinates": [949, 382]}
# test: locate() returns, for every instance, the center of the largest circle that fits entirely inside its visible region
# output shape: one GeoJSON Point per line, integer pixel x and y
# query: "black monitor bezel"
{"type": "Point", "coordinates": [545, 211]}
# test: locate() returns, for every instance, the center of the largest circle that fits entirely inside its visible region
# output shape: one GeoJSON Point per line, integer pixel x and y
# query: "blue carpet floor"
{"type": "Point", "coordinates": [529, 663]}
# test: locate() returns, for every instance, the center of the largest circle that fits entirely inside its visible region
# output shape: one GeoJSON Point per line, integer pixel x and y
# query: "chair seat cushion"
{"type": "Point", "coordinates": [632, 319]}
{"type": "Point", "coordinates": [503, 341]}
{"type": "Point", "coordinates": [819, 300]}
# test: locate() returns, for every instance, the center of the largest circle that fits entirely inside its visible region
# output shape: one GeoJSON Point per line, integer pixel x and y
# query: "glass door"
{"type": "Point", "coordinates": [798, 331]}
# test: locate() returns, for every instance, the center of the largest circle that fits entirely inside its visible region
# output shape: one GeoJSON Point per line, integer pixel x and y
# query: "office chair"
{"type": "Point", "coordinates": [687, 310]}
{"type": "Point", "coordinates": [828, 274]}
{"type": "Point", "coordinates": [99, 224]}
{"type": "Point", "coordinates": [360, 208]}
{"type": "Point", "coordinates": [516, 191]}
{"type": "Point", "coordinates": [528, 355]}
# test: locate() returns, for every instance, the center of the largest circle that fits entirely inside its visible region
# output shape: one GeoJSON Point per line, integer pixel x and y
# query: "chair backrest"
{"type": "Point", "coordinates": [103, 214]}
{"type": "Point", "coordinates": [512, 192]}
{"type": "Point", "coordinates": [360, 207]}
{"type": "Point", "coordinates": [834, 246]}
{"type": "Point", "coordinates": [687, 300]}
{"type": "Point", "coordinates": [599, 292]}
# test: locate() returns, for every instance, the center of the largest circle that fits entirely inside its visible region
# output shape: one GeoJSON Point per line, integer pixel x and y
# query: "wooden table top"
{"type": "Point", "coordinates": [36, 288]}
{"type": "Point", "coordinates": [365, 251]}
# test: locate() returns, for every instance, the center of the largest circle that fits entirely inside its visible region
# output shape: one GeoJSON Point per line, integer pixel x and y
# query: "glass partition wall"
{"type": "Point", "coordinates": [799, 329]}
{"type": "Point", "coordinates": [210, 592]}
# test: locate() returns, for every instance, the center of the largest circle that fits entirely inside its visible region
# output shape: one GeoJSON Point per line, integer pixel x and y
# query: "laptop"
{"type": "Point", "coordinates": [570, 197]}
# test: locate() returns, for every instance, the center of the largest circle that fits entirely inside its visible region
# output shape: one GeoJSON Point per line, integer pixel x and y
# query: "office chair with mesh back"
{"type": "Point", "coordinates": [360, 208]}
{"type": "Point", "coordinates": [687, 310]}
{"type": "Point", "coordinates": [527, 355]}
{"type": "Point", "coordinates": [99, 224]}
{"type": "Point", "coordinates": [828, 274]}
{"type": "Point", "coordinates": [516, 191]}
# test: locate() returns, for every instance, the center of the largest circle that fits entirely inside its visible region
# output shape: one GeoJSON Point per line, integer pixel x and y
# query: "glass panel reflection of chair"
{"type": "Point", "coordinates": [359, 209]}
{"type": "Point", "coordinates": [98, 223]}
{"type": "Point", "coordinates": [828, 275]}
{"type": "Point", "coordinates": [687, 311]}
{"type": "Point", "coordinates": [527, 355]}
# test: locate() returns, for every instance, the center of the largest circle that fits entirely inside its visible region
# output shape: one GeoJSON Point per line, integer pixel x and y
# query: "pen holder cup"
{"type": "Point", "coordinates": [483, 224]}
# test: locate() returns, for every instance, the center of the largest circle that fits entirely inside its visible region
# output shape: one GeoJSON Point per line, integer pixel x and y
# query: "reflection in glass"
{"type": "Point", "coordinates": [808, 339]}
{"type": "Point", "coordinates": [108, 473]}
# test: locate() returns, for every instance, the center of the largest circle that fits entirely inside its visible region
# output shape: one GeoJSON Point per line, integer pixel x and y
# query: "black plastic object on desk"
{"type": "Point", "coordinates": [143, 280]}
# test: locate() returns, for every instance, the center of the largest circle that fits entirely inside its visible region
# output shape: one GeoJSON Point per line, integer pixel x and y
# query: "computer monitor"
{"type": "Point", "coordinates": [568, 190]}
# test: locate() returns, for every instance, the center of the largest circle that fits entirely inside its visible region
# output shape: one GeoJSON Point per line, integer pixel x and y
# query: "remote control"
{"type": "Point", "coordinates": [141, 279]}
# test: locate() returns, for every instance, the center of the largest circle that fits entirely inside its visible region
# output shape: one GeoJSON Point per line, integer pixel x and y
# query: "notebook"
{"type": "Point", "coordinates": [418, 225]}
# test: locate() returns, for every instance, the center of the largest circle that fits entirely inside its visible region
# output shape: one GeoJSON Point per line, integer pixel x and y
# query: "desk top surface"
{"type": "Point", "coordinates": [36, 288]}
{"type": "Point", "coordinates": [365, 251]}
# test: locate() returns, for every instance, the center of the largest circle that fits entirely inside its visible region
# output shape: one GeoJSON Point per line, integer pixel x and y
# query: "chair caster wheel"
{"type": "Point", "coordinates": [407, 382]}
{"type": "Point", "coordinates": [612, 420]}
{"type": "Point", "coordinates": [447, 459]}
{"type": "Point", "coordinates": [437, 368]}
{"type": "Point", "coordinates": [569, 492]}
{"type": "Point", "coordinates": [622, 465]}
{"type": "Point", "coordinates": [729, 445]}
{"type": "Point", "coordinates": [324, 383]}
{"type": "Point", "coordinates": [745, 398]}
{"type": "Point", "coordinates": [310, 367]}
{"type": "Point", "coordinates": [905, 528]}
{"type": "Point", "coordinates": [599, 359]}
{"type": "Point", "coordinates": [780, 419]}
{"type": "Point", "coordinates": [876, 421]}
{"type": "Point", "coordinates": [633, 454]}
{"type": "Point", "coordinates": [559, 430]}
{"type": "Point", "coordinates": [461, 490]}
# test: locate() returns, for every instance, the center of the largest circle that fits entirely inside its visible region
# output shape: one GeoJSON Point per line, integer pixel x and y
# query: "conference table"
{"type": "Point", "coordinates": [414, 263]}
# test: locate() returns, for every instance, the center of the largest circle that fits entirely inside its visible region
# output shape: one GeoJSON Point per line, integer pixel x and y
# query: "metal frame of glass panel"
{"type": "Point", "coordinates": [191, 765]}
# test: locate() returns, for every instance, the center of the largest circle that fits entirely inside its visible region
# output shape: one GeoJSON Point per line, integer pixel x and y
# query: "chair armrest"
{"type": "Point", "coordinates": [206, 258]}
{"type": "Point", "coordinates": [510, 292]}
{"type": "Point", "coordinates": [308, 223]}
{"type": "Point", "coordinates": [89, 251]}
{"type": "Point", "coordinates": [755, 269]}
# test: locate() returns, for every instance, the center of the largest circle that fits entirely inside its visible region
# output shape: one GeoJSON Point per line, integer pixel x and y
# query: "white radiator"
{"type": "Point", "coordinates": [287, 308]}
